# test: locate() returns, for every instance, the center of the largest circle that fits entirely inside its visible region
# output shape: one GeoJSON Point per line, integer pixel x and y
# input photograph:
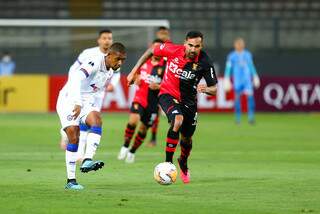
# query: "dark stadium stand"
{"type": "Point", "coordinates": [274, 28]}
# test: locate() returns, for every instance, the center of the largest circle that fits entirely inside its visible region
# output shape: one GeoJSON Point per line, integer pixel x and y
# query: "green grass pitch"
{"type": "Point", "coordinates": [270, 168]}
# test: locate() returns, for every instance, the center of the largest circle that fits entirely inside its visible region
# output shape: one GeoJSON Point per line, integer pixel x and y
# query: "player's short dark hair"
{"type": "Point", "coordinates": [157, 41]}
{"type": "Point", "coordinates": [106, 30]}
{"type": "Point", "coordinates": [162, 28]}
{"type": "Point", "coordinates": [194, 34]}
{"type": "Point", "coordinates": [117, 47]}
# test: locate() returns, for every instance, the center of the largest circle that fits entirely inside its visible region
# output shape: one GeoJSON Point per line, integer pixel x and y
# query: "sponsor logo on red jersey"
{"type": "Point", "coordinates": [179, 73]}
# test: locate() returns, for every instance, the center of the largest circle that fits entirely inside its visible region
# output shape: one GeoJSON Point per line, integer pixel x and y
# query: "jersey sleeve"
{"type": "Point", "coordinates": [88, 67]}
{"type": "Point", "coordinates": [165, 49]}
{"type": "Point", "coordinates": [81, 59]}
{"type": "Point", "coordinates": [77, 76]}
{"type": "Point", "coordinates": [210, 74]}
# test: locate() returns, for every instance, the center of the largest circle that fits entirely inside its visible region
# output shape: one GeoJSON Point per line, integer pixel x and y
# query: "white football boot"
{"type": "Point", "coordinates": [130, 157]}
{"type": "Point", "coordinates": [123, 153]}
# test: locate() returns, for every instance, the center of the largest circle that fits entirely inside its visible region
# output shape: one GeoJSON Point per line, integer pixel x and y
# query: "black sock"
{"type": "Point", "coordinates": [185, 149]}
{"type": "Point", "coordinates": [71, 180]}
{"type": "Point", "coordinates": [172, 141]}
{"type": "Point", "coordinates": [154, 136]}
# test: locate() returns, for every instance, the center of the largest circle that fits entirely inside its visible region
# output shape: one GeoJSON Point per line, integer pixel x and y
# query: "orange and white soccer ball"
{"type": "Point", "coordinates": [165, 173]}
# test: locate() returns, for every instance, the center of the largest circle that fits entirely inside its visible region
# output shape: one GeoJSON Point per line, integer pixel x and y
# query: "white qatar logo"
{"type": "Point", "coordinates": [297, 94]}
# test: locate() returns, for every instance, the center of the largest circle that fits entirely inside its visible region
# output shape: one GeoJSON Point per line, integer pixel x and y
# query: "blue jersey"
{"type": "Point", "coordinates": [240, 64]}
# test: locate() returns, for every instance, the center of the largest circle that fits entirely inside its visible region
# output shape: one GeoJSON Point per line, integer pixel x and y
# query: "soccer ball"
{"type": "Point", "coordinates": [165, 173]}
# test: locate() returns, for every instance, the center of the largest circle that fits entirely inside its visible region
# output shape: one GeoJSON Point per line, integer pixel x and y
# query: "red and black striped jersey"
{"type": "Point", "coordinates": [182, 74]}
{"type": "Point", "coordinates": [149, 73]}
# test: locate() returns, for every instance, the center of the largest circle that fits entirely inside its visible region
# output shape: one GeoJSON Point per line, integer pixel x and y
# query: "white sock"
{"type": "Point", "coordinates": [93, 141]}
{"type": "Point", "coordinates": [82, 144]}
{"type": "Point", "coordinates": [71, 158]}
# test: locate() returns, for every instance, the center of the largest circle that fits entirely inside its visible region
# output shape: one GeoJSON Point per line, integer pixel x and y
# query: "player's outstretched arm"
{"type": "Point", "coordinates": [133, 74]}
{"type": "Point", "coordinates": [212, 90]}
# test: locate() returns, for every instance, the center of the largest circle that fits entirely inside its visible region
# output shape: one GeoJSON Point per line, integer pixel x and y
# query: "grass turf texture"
{"type": "Point", "coordinates": [272, 167]}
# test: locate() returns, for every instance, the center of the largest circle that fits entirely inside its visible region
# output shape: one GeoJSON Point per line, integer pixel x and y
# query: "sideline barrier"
{"type": "Point", "coordinates": [38, 93]}
{"type": "Point", "coordinates": [281, 94]}
{"type": "Point", "coordinates": [24, 93]}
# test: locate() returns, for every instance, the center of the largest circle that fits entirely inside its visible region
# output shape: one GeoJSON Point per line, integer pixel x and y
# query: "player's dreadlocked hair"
{"type": "Point", "coordinates": [117, 47]}
{"type": "Point", "coordinates": [194, 34]}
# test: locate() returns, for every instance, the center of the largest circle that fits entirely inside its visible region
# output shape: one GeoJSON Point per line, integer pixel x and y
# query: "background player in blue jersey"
{"type": "Point", "coordinates": [240, 65]}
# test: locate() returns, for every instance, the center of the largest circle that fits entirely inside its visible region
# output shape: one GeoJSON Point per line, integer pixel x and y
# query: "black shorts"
{"type": "Point", "coordinates": [147, 116]}
{"type": "Point", "coordinates": [172, 107]}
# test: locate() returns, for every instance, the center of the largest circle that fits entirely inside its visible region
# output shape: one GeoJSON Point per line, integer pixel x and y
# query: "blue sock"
{"type": "Point", "coordinates": [237, 105]}
{"type": "Point", "coordinates": [72, 147]}
{"type": "Point", "coordinates": [84, 127]}
{"type": "Point", "coordinates": [96, 130]}
{"type": "Point", "coordinates": [251, 106]}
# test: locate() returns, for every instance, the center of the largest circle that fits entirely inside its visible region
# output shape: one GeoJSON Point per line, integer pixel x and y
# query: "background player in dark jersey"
{"type": "Point", "coordinates": [144, 106]}
{"type": "Point", "coordinates": [163, 34]}
{"type": "Point", "coordinates": [186, 65]}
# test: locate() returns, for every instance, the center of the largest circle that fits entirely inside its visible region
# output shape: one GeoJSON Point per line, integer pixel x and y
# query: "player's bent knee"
{"type": "Point", "coordinates": [178, 120]}
{"type": "Point", "coordinates": [73, 134]}
{"type": "Point", "coordinates": [73, 139]}
{"type": "Point", "coordinates": [98, 122]}
{"type": "Point", "coordinates": [134, 119]}
{"type": "Point", "coordinates": [94, 119]}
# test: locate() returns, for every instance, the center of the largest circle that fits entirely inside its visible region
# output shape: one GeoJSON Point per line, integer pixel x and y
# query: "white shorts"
{"type": "Point", "coordinates": [65, 108]}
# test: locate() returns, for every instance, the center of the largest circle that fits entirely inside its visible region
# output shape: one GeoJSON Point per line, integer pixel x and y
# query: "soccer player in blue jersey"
{"type": "Point", "coordinates": [240, 65]}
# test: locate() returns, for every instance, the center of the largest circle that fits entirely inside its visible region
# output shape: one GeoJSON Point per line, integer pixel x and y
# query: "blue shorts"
{"type": "Point", "coordinates": [245, 88]}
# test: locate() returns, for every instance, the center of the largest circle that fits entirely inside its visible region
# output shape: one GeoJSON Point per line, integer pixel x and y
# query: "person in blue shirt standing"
{"type": "Point", "coordinates": [7, 65]}
{"type": "Point", "coordinates": [240, 65]}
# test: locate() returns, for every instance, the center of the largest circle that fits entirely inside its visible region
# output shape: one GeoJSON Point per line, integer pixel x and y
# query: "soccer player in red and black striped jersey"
{"type": "Point", "coordinates": [163, 34]}
{"type": "Point", "coordinates": [144, 106]}
{"type": "Point", "coordinates": [187, 64]}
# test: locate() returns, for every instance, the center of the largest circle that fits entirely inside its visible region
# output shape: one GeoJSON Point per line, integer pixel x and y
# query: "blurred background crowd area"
{"type": "Point", "coordinates": [283, 35]}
